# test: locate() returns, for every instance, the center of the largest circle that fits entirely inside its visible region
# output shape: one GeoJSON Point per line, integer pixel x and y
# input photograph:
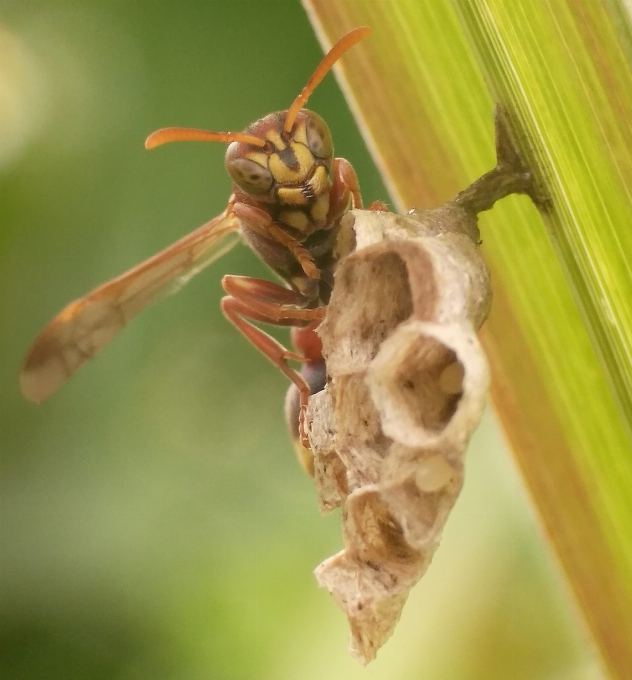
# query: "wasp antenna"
{"type": "Point", "coordinates": [175, 134]}
{"type": "Point", "coordinates": [345, 43]}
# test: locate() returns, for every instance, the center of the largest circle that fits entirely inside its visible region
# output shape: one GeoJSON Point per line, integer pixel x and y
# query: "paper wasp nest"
{"type": "Point", "coordinates": [406, 387]}
{"type": "Point", "coordinates": [407, 381]}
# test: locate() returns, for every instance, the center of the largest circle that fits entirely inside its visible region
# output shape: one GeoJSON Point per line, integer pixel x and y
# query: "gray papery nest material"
{"type": "Point", "coordinates": [407, 383]}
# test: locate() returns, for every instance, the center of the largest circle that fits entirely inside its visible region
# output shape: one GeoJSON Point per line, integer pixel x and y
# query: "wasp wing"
{"type": "Point", "coordinates": [84, 326]}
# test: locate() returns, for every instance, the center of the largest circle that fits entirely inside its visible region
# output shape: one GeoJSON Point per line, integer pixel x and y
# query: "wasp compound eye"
{"type": "Point", "coordinates": [249, 175]}
{"type": "Point", "coordinates": [318, 137]}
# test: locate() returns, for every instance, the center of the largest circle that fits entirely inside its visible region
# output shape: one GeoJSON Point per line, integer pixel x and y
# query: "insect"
{"type": "Point", "coordinates": [288, 197]}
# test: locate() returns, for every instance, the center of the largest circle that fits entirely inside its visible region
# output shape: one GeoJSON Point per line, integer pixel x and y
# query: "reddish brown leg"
{"type": "Point", "coordinates": [269, 303]}
{"type": "Point", "coordinates": [260, 221]}
{"type": "Point", "coordinates": [307, 342]}
{"type": "Point", "coordinates": [273, 303]}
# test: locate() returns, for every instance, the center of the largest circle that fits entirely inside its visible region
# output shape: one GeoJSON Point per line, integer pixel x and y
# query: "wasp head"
{"type": "Point", "coordinates": [291, 167]}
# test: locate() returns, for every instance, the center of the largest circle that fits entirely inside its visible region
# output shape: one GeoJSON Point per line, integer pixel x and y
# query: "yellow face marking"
{"type": "Point", "coordinates": [283, 173]}
{"type": "Point", "coordinates": [319, 182]}
{"type": "Point", "coordinates": [292, 196]}
{"type": "Point", "coordinates": [274, 137]}
{"type": "Point", "coordinates": [296, 219]}
{"type": "Point", "coordinates": [258, 157]}
{"type": "Point", "coordinates": [300, 134]}
{"type": "Point", "coordinates": [320, 209]}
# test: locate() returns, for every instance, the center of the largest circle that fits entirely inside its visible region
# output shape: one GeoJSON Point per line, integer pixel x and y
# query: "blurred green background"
{"type": "Point", "coordinates": [154, 521]}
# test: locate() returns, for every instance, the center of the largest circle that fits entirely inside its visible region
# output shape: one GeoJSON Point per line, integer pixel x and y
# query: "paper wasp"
{"type": "Point", "coordinates": [288, 197]}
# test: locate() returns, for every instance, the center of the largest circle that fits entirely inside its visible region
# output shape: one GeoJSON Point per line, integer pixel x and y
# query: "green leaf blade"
{"type": "Point", "coordinates": [560, 334]}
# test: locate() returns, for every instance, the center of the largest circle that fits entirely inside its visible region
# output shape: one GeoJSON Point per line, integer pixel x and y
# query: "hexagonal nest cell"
{"type": "Point", "coordinates": [406, 386]}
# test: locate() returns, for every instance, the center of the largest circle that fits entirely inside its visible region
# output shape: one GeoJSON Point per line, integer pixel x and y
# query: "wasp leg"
{"type": "Point", "coordinates": [315, 375]}
{"type": "Point", "coordinates": [306, 341]}
{"type": "Point", "coordinates": [260, 221]}
{"type": "Point", "coordinates": [252, 301]}
{"type": "Point", "coordinates": [276, 303]}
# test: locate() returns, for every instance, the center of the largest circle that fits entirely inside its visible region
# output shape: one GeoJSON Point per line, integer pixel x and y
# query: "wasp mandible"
{"type": "Point", "coordinates": [288, 197]}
